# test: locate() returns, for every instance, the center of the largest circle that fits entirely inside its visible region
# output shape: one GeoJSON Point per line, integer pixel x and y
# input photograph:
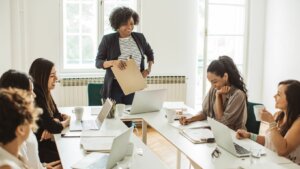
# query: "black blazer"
{"type": "Point", "coordinates": [46, 121]}
{"type": "Point", "coordinates": [109, 49]}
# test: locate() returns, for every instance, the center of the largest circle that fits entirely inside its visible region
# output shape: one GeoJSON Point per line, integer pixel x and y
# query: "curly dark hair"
{"type": "Point", "coordinates": [226, 65]}
{"type": "Point", "coordinates": [121, 15]}
{"type": "Point", "coordinates": [16, 108]}
{"type": "Point", "coordinates": [14, 78]}
{"type": "Point", "coordinates": [292, 93]}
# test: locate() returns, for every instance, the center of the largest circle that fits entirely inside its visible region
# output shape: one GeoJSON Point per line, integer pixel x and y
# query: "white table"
{"type": "Point", "coordinates": [200, 154]}
{"type": "Point", "coordinates": [70, 151]}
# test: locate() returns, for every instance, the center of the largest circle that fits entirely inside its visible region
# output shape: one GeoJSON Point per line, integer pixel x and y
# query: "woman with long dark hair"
{"type": "Point", "coordinates": [284, 127]}
{"type": "Point", "coordinates": [43, 73]}
{"type": "Point", "coordinates": [226, 100]}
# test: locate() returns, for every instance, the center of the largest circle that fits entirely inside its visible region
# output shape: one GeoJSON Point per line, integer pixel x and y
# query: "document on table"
{"type": "Point", "coordinates": [130, 79]}
{"type": "Point", "coordinates": [99, 144]}
{"type": "Point", "coordinates": [196, 124]}
{"type": "Point", "coordinates": [200, 135]}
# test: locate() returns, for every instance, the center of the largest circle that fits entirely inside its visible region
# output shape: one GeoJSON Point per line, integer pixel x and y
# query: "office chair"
{"type": "Point", "coordinates": [94, 95]}
{"type": "Point", "coordinates": [252, 125]}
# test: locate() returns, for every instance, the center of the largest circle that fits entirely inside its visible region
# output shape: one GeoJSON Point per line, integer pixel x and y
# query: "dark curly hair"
{"type": "Point", "coordinates": [226, 65]}
{"type": "Point", "coordinates": [121, 15]}
{"type": "Point", "coordinates": [292, 93]}
{"type": "Point", "coordinates": [13, 78]}
{"type": "Point", "coordinates": [16, 108]}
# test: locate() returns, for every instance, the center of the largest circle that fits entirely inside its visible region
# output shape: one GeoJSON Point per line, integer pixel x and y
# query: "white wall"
{"type": "Point", "coordinates": [168, 25]}
{"type": "Point", "coordinates": [282, 52]}
{"type": "Point", "coordinates": [255, 54]}
{"type": "Point", "coordinates": [5, 41]}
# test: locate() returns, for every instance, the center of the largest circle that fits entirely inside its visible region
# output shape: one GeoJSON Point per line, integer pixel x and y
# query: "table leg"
{"type": "Point", "coordinates": [178, 161]}
{"type": "Point", "coordinates": [144, 131]}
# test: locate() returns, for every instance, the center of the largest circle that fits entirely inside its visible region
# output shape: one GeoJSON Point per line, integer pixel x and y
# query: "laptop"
{"type": "Point", "coordinates": [92, 124]}
{"type": "Point", "coordinates": [223, 139]}
{"type": "Point", "coordinates": [147, 101]}
{"type": "Point", "coordinates": [107, 161]}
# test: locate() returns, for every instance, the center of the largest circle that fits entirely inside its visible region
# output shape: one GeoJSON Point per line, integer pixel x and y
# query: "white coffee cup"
{"type": "Point", "coordinates": [257, 109]}
{"type": "Point", "coordinates": [78, 111]}
{"type": "Point", "coordinates": [171, 114]}
{"type": "Point", "coordinates": [120, 108]}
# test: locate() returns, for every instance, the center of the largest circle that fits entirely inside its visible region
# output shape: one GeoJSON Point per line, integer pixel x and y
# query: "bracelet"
{"type": "Point", "coordinates": [253, 136]}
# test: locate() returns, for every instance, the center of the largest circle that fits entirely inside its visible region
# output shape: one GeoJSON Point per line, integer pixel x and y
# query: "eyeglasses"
{"type": "Point", "coordinates": [216, 153]}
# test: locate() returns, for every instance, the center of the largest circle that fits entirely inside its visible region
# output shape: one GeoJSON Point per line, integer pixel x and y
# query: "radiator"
{"type": "Point", "coordinates": [73, 91]}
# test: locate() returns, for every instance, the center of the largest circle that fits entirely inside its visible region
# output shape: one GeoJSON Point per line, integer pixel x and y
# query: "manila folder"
{"type": "Point", "coordinates": [130, 79]}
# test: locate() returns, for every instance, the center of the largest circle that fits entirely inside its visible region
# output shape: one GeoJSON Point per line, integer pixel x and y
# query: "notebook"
{"type": "Point", "coordinates": [130, 79]}
{"type": "Point", "coordinates": [147, 101]}
{"type": "Point", "coordinates": [92, 124]}
{"type": "Point", "coordinates": [107, 161]}
{"type": "Point", "coordinates": [223, 139]}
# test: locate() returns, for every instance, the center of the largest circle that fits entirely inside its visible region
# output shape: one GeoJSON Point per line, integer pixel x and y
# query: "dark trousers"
{"type": "Point", "coordinates": [118, 95]}
{"type": "Point", "coordinates": [48, 151]}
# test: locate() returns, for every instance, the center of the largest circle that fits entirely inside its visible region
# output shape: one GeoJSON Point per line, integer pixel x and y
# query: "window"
{"type": "Point", "coordinates": [223, 33]}
{"type": "Point", "coordinates": [84, 23]}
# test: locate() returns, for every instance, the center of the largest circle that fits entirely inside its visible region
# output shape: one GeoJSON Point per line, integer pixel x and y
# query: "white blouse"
{"type": "Point", "coordinates": [293, 156]}
{"type": "Point", "coordinates": [30, 152]}
{"type": "Point", "coordinates": [10, 160]}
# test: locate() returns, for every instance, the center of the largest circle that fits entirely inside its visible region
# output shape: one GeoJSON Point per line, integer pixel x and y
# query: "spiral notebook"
{"type": "Point", "coordinates": [198, 135]}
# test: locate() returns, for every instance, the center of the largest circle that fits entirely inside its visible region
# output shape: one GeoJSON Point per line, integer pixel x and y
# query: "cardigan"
{"type": "Point", "coordinates": [109, 49]}
{"type": "Point", "coordinates": [235, 107]}
{"type": "Point", "coordinates": [46, 121]}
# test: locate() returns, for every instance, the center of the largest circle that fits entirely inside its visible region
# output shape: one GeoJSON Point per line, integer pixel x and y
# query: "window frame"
{"type": "Point", "coordinates": [92, 72]}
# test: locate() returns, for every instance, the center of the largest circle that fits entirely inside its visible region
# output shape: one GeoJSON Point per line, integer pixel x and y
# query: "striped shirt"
{"type": "Point", "coordinates": [129, 48]}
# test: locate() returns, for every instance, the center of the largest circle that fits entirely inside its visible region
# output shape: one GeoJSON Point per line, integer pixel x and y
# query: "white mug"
{"type": "Point", "coordinates": [257, 109]}
{"type": "Point", "coordinates": [120, 108]}
{"type": "Point", "coordinates": [171, 114]}
{"type": "Point", "coordinates": [78, 111]}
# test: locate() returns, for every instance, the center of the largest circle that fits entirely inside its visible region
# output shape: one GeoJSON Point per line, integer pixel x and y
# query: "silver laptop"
{"type": "Point", "coordinates": [147, 101]}
{"type": "Point", "coordinates": [223, 139]}
{"type": "Point", "coordinates": [107, 161]}
{"type": "Point", "coordinates": [92, 124]}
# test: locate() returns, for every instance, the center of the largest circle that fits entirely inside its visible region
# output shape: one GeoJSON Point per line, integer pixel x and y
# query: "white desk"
{"type": "Point", "coordinates": [70, 151]}
{"type": "Point", "coordinates": [200, 154]}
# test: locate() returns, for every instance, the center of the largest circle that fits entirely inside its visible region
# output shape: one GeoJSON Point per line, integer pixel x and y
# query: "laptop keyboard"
{"type": "Point", "coordinates": [240, 150]}
{"type": "Point", "coordinates": [90, 125]}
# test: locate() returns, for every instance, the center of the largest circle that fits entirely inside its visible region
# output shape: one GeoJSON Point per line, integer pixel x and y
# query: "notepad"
{"type": "Point", "coordinates": [130, 79]}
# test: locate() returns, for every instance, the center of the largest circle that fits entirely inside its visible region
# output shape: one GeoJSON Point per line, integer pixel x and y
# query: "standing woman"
{"type": "Point", "coordinates": [43, 73]}
{"type": "Point", "coordinates": [117, 47]}
{"type": "Point", "coordinates": [227, 98]}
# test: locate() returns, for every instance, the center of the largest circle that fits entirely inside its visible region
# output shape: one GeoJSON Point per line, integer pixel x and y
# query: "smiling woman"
{"type": "Point", "coordinates": [43, 73]}
{"type": "Point", "coordinates": [226, 99]}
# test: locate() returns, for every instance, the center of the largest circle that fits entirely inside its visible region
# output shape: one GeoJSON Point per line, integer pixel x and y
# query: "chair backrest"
{"type": "Point", "coordinates": [252, 125]}
{"type": "Point", "coordinates": [94, 94]}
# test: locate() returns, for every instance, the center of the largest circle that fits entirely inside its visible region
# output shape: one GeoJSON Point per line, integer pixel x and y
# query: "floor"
{"type": "Point", "coordinates": [163, 149]}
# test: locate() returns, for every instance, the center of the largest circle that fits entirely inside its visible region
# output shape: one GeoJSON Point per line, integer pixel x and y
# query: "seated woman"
{"type": "Point", "coordinates": [44, 75]}
{"type": "Point", "coordinates": [284, 127]}
{"type": "Point", "coordinates": [226, 99]}
{"type": "Point", "coordinates": [17, 119]}
{"type": "Point", "coordinates": [29, 150]}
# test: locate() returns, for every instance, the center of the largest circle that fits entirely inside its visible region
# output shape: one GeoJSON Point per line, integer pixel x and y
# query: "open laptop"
{"type": "Point", "coordinates": [147, 101]}
{"type": "Point", "coordinates": [107, 161]}
{"type": "Point", "coordinates": [223, 138]}
{"type": "Point", "coordinates": [92, 124]}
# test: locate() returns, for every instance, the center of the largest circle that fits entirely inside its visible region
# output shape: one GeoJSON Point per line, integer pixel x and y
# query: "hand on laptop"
{"type": "Point", "coordinates": [241, 134]}
{"type": "Point", "coordinates": [53, 165]}
{"type": "Point", "coordinates": [121, 64]}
